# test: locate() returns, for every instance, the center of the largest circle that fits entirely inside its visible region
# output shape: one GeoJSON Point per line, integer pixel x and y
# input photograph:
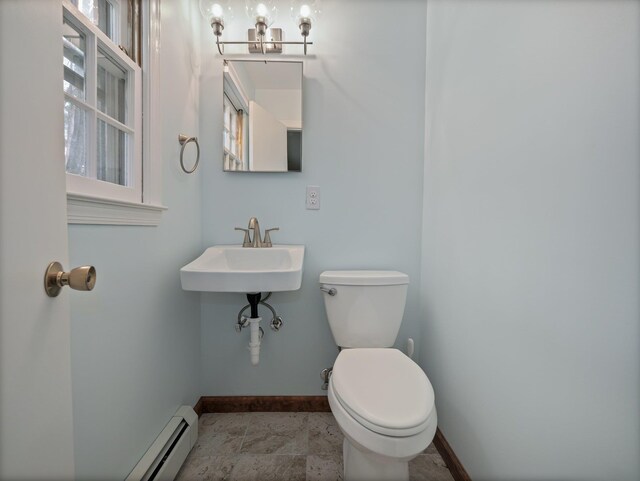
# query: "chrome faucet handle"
{"type": "Point", "coordinates": [246, 242]}
{"type": "Point", "coordinates": [267, 237]}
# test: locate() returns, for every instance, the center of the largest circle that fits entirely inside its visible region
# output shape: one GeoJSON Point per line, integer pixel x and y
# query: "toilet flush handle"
{"type": "Point", "coordinates": [329, 290]}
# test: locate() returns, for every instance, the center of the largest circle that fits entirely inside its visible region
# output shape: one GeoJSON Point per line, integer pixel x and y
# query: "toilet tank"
{"type": "Point", "coordinates": [367, 308]}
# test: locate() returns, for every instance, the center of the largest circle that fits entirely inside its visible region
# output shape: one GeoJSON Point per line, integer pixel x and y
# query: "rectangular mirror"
{"type": "Point", "coordinates": [262, 108]}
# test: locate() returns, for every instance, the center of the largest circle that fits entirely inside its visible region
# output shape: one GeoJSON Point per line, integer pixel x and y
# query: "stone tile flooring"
{"type": "Point", "coordinates": [280, 447]}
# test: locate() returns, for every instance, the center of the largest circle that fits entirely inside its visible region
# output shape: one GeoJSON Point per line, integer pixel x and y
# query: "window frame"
{"type": "Point", "coordinates": [90, 201]}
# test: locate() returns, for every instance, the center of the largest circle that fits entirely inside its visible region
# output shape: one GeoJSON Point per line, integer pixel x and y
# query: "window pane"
{"type": "Point", "coordinates": [112, 155]}
{"type": "Point", "coordinates": [75, 139]}
{"type": "Point", "coordinates": [74, 57]}
{"type": "Point", "coordinates": [99, 12]}
{"type": "Point", "coordinates": [112, 84]}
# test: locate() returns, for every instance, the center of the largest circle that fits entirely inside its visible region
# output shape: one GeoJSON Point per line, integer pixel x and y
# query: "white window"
{"type": "Point", "coordinates": [103, 130]}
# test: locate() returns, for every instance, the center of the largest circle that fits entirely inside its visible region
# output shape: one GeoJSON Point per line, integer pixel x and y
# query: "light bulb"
{"type": "Point", "coordinates": [305, 10]}
{"type": "Point", "coordinates": [304, 13]}
{"type": "Point", "coordinates": [309, 9]}
{"type": "Point", "coordinates": [216, 11]}
{"type": "Point", "coordinates": [261, 11]}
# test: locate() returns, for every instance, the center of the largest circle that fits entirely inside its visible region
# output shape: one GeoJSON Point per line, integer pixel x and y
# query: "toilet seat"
{"type": "Point", "coordinates": [405, 405]}
{"type": "Point", "coordinates": [399, 449]}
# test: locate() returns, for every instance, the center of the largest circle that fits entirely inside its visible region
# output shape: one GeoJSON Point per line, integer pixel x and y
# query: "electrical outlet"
{"type": "Point", "coordinates": [313, 197]}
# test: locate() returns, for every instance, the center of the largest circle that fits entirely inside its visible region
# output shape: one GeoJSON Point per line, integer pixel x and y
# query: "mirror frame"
{"type": "Point", "coordinates": [301, 63]}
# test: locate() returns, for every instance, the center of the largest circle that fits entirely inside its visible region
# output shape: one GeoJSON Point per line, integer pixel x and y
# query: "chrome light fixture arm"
{"type": "Point", "coordinates": [217, 25]}
{"type": "Point", "coordinates": [262, 44]}
{"type": "Point", "coordinates": [220, 45]}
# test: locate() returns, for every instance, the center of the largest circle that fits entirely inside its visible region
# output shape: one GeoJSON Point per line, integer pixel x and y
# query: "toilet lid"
{"type": "Point", "coordinates": [364, 278]}
{"type": "Point", "coordinates": [383, 389]}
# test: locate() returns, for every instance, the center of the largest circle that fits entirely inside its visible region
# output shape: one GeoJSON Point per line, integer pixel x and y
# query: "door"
{"type": "Point", "coordinates": [36, 433]}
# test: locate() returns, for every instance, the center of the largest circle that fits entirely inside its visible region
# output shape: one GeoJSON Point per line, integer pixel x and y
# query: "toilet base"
{"type": "Point", "coordinates": [361, 466]}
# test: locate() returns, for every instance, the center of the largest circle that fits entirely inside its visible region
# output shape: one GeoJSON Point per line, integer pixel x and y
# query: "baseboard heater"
{"type": "Point", "coordinates": [163, 459]}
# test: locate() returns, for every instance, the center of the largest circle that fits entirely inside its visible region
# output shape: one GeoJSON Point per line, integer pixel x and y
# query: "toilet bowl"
{"type": "Point", "coordinates": [384, 406]}
{"type": "Point", "coordinates": [382, 401]}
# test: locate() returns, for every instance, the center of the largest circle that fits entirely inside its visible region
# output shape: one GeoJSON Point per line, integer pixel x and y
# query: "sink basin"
{"type": "Point", "coordinates": [231, 268]}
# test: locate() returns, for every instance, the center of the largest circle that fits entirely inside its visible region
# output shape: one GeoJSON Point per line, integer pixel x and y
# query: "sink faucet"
{"type": "Point", "coordinates": [255, 240]}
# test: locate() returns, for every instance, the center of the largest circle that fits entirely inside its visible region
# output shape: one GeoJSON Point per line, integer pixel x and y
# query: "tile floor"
{"type": "Point", "coordinates": [280, 447]}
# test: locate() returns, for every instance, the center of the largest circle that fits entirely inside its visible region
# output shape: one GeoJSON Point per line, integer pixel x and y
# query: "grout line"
{"type": "Point", "coordinates": [307, 436]}
{"type": "Point", "coordinates": [244, 436]}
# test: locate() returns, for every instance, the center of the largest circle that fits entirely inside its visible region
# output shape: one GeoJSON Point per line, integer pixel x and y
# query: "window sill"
{"type": "Point", "coordinates": [97, 211]}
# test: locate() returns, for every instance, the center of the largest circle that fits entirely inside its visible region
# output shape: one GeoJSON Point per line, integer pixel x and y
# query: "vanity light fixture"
{"type": "Point", "coordinates": [262, 13]}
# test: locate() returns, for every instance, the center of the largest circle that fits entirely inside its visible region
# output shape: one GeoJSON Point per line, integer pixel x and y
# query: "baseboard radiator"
{"type": "Point", "coordinates": [163, 459]}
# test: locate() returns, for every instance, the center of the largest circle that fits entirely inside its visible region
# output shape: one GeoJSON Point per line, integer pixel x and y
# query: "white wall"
{"type": "Point", "coordinates": [135, 338]}
{"type": "Point", "coordinates": [530, 236]}
{"type": "Point", "coordinates": [244, 82]}
{"type": "Point", "coordinates": [363, 145]}
{"type": "Point", "coordinates": [267, 141]}
{"type": "Point", "coordinates": [284, 104]}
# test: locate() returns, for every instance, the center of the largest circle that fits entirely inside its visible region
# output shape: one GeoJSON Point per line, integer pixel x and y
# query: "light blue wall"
{"type": "Point", "coordinates": [530, 277]}
{"type": "Point", "coordinates": [135, 338]}
{"type": "Point", "coordinates": [363, 145]}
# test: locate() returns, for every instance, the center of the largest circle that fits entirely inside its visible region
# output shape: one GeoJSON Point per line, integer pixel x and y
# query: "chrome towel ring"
{"type": "Point", "coordinates": [184, 140]}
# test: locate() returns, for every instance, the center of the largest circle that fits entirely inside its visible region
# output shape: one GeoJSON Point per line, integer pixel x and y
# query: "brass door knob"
{"type": "Point", "coordinates": [81, 278]}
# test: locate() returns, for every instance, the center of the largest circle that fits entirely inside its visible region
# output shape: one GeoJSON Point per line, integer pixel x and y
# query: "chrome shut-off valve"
{"type": "Point", "coordinates": [325, 374]}
{"type": "Point", "coordinates": [276, 323]}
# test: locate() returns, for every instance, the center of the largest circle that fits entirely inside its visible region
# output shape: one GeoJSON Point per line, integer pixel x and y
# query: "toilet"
{"type": "Point", "coordinates": [382, 401]}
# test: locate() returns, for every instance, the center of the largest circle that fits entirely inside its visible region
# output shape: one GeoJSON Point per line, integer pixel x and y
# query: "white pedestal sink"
{"type": "Point", "coordinates": [231, 268]}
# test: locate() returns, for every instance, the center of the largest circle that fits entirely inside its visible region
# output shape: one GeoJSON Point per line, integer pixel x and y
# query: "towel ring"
{"type": "Point", "coordinates": [184, 140]}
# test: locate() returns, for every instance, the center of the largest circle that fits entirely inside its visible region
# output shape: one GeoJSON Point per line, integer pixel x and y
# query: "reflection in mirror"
{"type": "Point", "coordinates": [262, 106]}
